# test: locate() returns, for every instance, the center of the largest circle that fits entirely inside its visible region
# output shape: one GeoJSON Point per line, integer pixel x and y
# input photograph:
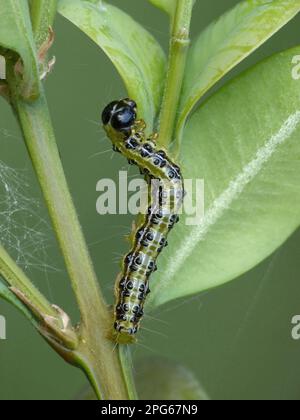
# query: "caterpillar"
{"type": "Point", "coordinates": [127, 134]}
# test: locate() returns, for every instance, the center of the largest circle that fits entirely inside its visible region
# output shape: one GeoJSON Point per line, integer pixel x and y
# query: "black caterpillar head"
{"type": "Point", "coordinates": [121, 115]}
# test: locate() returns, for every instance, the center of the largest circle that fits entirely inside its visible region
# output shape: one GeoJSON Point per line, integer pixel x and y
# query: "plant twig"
{"type": "Point", "coordinates": [177, 60]}
{"type": "Point", "coordinates": [95, 353]}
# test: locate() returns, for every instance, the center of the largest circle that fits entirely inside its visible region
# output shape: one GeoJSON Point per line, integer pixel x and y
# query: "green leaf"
{"type": "Point", "coordinates": [167, 6]}
{"type": "Point", "coordinates": [227, 42]}
{"type": "Point", "coordinates": [16, 35]}
{"type": "Point", "coordinates": [244, 143]}
{"type": "Point", "coordinates": [160, 379]}
{"type": "Point", "coordinates": [7, 295]}
{"type": "Point", "coordinates": [135, 53]}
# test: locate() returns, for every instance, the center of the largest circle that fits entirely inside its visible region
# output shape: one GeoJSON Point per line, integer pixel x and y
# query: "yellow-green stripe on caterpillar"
{"type": "Point", "coordinates": [128, 137]}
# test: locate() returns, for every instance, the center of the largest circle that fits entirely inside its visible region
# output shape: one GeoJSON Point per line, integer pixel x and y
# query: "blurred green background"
{"type": "Point", "coordinates": [237, 339]}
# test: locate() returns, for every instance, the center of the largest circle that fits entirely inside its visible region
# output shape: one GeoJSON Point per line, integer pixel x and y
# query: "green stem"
{"type": "Point", "coordinates": [42, 17]}
{"type": "Point", "coordinates": [177, 60]}
{"type": "Point", "coordinates": [10, 297]}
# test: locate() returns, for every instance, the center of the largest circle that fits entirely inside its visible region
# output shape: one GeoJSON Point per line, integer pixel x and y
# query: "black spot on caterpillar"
{"type": "Point", "coordinates": [128, 137]}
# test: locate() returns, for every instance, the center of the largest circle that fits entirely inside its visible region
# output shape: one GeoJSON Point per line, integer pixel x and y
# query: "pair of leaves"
{"type": "Point", "coordinates": [242, 141]}
{"type": "Point", "coordinates": [16, 35]}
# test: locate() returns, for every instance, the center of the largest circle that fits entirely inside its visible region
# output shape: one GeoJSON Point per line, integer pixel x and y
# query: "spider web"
{"type": "Point", "coordinates": [24, 233]}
